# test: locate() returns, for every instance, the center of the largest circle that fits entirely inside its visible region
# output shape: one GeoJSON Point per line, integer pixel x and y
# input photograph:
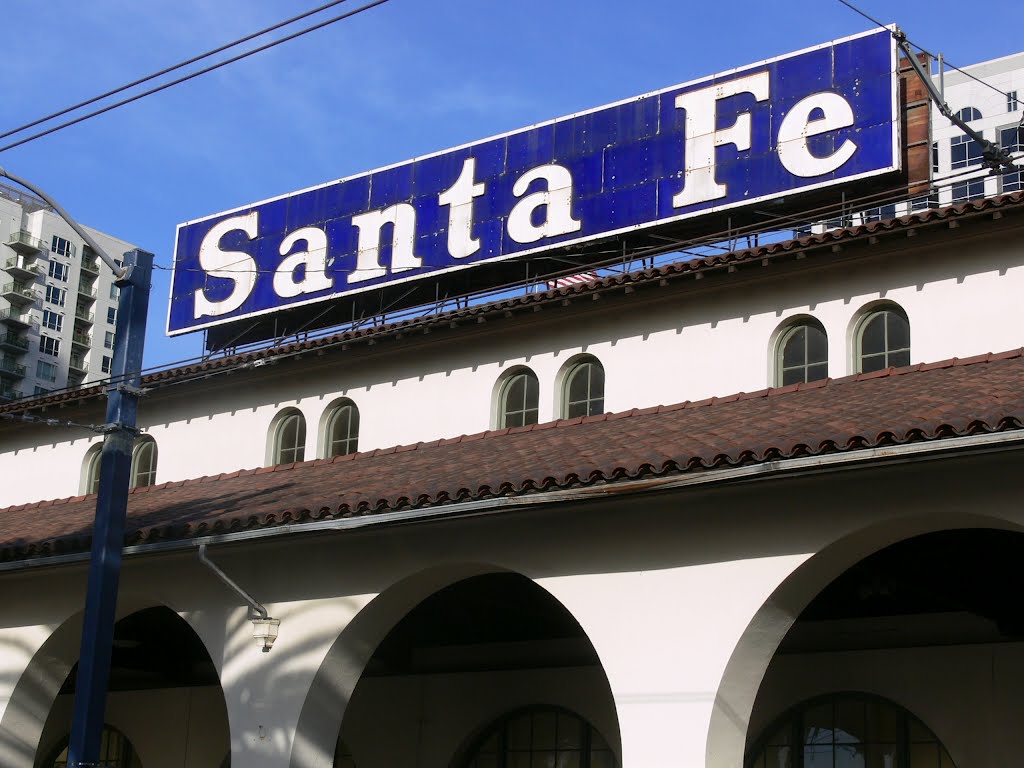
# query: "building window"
{"type": "Point", "coordinates": [1012, 140]}
{"type": "Point", "coordinates": [883, 340]}
{"type": "Point", "coordinates": [802, 354]}
{"type": "Point", "coordinates": [289, 439]}
{"type": "Point", "coordinates": [964, 152]}
{"type": "Point", "coordinates": [114, 292]}
{"type": "Point", "coordinates": [41, 390]}
{"type": "Point", "coordinates": [56, 295]}
{"type": "Point", "coordinates": [583, 391]}
{"type": "Point", "coordinates": [850, 729]}
{"type": "Point", "coordinates": [881, 213]}
{"type": "Point", "coordinates": [342, 432]}
{"type": "Point", "coordinates": [542, 736]}
{"type": "Point", "coordinates": [1012, 102]}
{"type": "Point", "coordinates": [111, 315]}
{"type": "Point", "coordinates": [49, 345]}
{"type": "Point", "coordinates": [106, 363]}
{"type": "Point", "coordinates": [968, 190]}
{"type": "Point", "coordinates": [144, 462]}
{"type": "Point", "coordinates": [935, 157]}
{"type": "Point", "coordinates": [115, 751]}
{"type": "Point", "coordinates": [46, 371]}
{"type": "Point", "coordinates": [967, 114]}
{"type": "Point", "coordinates": [58, 271]}
{"type": "Point", "coordinates": [91, 470]}
{"type": "Point", "coordinates": [52, 320]}
{"type": "Point", "coordinates": [519, 399]}
{"type": "Point", "coordinates": [62, 246]}
{"type": "Point", "coordinates": [108, 340]}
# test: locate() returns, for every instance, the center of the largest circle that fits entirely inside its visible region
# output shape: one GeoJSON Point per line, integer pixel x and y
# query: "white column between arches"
{"type": "Point", "coordinates": [664, 638]}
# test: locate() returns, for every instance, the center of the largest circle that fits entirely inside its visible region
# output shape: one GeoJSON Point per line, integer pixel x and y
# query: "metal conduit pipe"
{"type": "Point", "coordinates": [265, 627]}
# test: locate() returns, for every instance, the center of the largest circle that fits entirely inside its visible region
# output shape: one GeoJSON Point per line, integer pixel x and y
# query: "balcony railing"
{"type": "Point", "coordinates": [87, 291]}
{"type": "Point", "coordinates": [23, 242]}
{"type": "Point", "coordinates": [83, 314]}
{"type": "Point", "coordinates": [14, 341]}
{"type": "Point", "coordinates": [18, 292]}
{"type": "Point", "coordinates": [9, 393]}
{"type": "Point", "coordinates": [17, 267]}
{"type": "Point", "coordinates": [91, 265]}
{"type": "Point", "coordinates": [8, 367]}
{"type": "Point", "coordinates": [13, 317]}
{"type": "Point", "coordinates": [77, 363]}
{"type": "Point", "coordinates": [81, 338]}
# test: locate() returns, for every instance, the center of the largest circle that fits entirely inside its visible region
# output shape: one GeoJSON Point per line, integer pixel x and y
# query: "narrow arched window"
{"type": "Point", "coordinates": [290, 439]}
{"type": "Point", "coordinates": [144, 462]}
{"type": "Point", "coordinates": [342, 432]}
{"type": "Point", "coordinates": [583, 391]}
{"type": "Point", "coordinates": [519, 399]}
{"type": "Point", "coordinates": [883, 340]}
{"type": "Point", "coordinates": [849, 729]}
{"type": "Point", "coordinates": [802, 354]}
{"type": "Point", "coordinates": [91, 470]}
{"type": "Point", "coordinates": [541, 736]}
{"type": "Point", "coordinates": [115, 751]}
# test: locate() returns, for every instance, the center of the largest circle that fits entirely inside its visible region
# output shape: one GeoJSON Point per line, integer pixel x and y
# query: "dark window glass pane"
{"type": "Point", "coordinates": [578, 381]}
{"type": "Point", "coordinates": [898, 331]}
{"type": "Point", "coordinates": [793, 376]}
{"type": "Point", "coordinates": [817, 345]}
{"type": "Point", "coordinates": [818, 724]}
{"type": "Point", "coordinates": [795, 352]}
{"type": "Point", "coordinates": [816, 372]}
{"type": "Point", "coordinates": [851, 726]}
{"type": "Point", "coordinates": [544, 724]}
{"type": "Point", "coordinates": [818, 756]}
{"type": "Point", "coordinates": [516, 397]}
{"type": "Point", "coordinates": [873, 363]}
{"type": "Point", "coordinates": [597, 384]}
{"type": "Point", "coordinates": [570, 732]}
{"type": "Point", "coordinates": [519, 733]}
{"type": "Point", "coordinates": [872, 338]}
{"type": "Point", "coordinates": [897, 359]}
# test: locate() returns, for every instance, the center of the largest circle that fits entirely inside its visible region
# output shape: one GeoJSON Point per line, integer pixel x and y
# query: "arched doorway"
{"type": "Point", "coordinates": [164, 700]}
{"type": "Point", "coordinates": [460, 659]}
{"type": "Point", "coordinates": [932, 623]}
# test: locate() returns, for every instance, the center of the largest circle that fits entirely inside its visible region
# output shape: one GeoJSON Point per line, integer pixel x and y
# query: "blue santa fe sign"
{"type": "Point", "coordinates": [822, 116]}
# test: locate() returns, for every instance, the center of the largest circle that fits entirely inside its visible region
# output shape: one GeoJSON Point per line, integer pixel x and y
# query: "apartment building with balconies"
{"type": "Point", "coordinates": [57, 307]}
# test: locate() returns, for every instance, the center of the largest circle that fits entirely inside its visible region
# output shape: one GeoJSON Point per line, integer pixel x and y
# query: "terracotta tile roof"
{"type": "Point", "coordinates": [915, 404]}
{"type": "Point", "coordinates": [667, 274]}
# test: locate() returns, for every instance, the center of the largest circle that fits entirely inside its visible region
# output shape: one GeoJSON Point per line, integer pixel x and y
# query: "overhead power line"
{"type": "Point", "coordinates": [183, 79]}
{"type": "Point", "coordinates": [174, 68]}
{"type": "Point", "coordinates": [948, 63]}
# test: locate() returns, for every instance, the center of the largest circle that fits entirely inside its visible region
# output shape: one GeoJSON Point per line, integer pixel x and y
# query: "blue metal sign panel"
{"type": "Point", "coordinates": [819, 117]}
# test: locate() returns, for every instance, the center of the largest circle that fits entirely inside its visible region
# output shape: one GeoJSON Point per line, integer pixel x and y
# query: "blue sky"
{"type": "Point", "coordinates": [400, 80]}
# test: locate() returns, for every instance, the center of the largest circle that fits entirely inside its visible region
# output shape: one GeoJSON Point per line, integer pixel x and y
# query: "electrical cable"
{"type": "Point", "coordinates": [854, 8]}
{"type": "Point", "coordinates": [193, 75]}
{"type": "Point", "coordinates": [168, 70]}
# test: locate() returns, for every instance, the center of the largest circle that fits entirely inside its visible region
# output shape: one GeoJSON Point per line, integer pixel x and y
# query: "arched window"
{"type": "Point", "coordinates": [518, 399]}
{"type": "Point", "coordinates": [969, 113]}
{"type": "Point", "coordinates": [802, 354]}
{"type": "Point", "coordinates": [91, 470]}
{"type": "Point", "coordinates": [115, 751]}
{"type": "Point", "coordinates": [289, 439]}
{"type": "Point", "coordinates": [541, 736]}
{"type": "Point", "coordinates": [144, 462]}
{"type": "Point", "coordinates": [849, 729]}
{"type": "Point", "coordinates": [583, 390]}
{"type": "Point", "coordinates": [883, 340]}
{"type": "Point", "coordinates": [341, 433]}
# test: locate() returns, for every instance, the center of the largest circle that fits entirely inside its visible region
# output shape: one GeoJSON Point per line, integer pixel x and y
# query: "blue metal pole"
{"type": "Point", "coordinates": [111, 510]}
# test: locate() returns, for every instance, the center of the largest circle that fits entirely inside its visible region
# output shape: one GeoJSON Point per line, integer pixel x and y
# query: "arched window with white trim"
{"type": "Point", "coordinates": [848, 729]}
{"type": "Point", "coordinates": [802, 354]}
{"type": "Point", "coordinates": [545, 736]}
{"type": "Point", "coordinates": [144, 462]}
{"type": "Point", "coordinates": [115, 751]}
{"type": "Point", "coordinates": [289, 438]}
{"type": "Point", "coordinates": [341, 429]}
{"type": "Point", "coordinates": [583, 389]}
{"type": "Point", "coordinates": [91, 469]}
{"type": "Point", "coordinates": [883, 339]}
{"type": "Point", "coordinates": [518, 399]}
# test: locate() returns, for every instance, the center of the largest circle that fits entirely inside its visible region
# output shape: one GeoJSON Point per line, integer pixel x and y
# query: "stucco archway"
{"type": "Point", "coordinates": [759, 643]}
{"type": "Point", "coordinates": [380, 670]}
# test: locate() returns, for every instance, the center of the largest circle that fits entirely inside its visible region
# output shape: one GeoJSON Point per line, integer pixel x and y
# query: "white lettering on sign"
{"type": "Point", "coordinates": [556, 201]}
{"type": "Point", "coordinates": [835, 112]}
{"type": "Point", "coordinates": [459, 198]}
{"type": "Point", "coordinates": [403, 218]}
{"type": "Point", "coordinates": [313, 260]}
{"type": "Point", "coordinates": [542, 213]}
{"type": "Point", "coordinates": [699, 184]}
{"type": "Point", "coordinates": [236, 266]}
